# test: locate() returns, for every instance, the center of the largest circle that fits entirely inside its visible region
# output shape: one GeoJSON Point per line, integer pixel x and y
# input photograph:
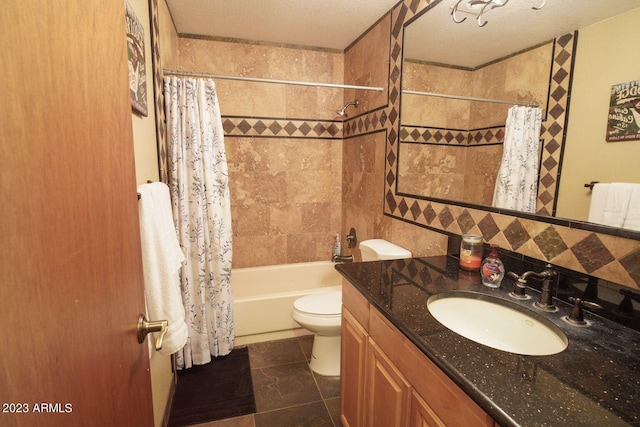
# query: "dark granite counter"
{"type": "Point", "coordinates": [594, 382]}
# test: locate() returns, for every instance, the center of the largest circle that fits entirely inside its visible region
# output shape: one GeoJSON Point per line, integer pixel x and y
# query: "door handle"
{"type": "Point", "coordinates": [145, 327]}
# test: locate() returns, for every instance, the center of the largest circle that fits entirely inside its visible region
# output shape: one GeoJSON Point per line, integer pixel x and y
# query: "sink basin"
{"type": "Point", "coordinates": [497, 323]}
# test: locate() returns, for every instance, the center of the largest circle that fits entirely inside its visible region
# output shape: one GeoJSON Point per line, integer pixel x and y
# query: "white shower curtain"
{"type": "Point", "coordinates": [517, 182]}
{"type": "Point", "coordinates": [198, 180]}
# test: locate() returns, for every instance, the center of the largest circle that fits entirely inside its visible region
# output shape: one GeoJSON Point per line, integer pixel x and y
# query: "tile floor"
{"type": "Point", "coordinates": [287, 393]}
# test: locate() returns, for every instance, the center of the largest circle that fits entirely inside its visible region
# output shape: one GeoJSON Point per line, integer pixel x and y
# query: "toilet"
{"type": "Point", "coordinates": [380, 249]}
{"type": "Point", "coordinates": [321, 312]}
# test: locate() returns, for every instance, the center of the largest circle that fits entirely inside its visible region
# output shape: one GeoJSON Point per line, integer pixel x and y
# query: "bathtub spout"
{"type": "Point", "coordinates": [342, 258]}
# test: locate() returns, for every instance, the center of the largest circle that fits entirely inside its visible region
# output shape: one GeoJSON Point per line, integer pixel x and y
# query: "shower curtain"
{"type": "Point", "coordinates": [198, 180]}
{"type": "Point", "coordinates": [517, 182]}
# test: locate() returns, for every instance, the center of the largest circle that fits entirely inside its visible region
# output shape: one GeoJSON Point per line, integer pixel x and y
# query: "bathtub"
{"type": "Point", "coordinates": [263, 297]}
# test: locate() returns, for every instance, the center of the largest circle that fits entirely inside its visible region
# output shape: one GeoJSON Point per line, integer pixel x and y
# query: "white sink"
{"type": "Point", "coordinates": [497, 323]}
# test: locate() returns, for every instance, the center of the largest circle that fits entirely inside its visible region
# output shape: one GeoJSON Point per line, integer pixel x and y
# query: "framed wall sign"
{"type": "Point", "coordinates": [137, 65]}
{"type": "Point", "coordinates": [624, 112]}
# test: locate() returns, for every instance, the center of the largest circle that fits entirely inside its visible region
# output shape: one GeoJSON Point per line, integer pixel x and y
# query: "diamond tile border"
{"type": "Point", "coordinates": [281, 128]}
{"type": "Point", "coordinates": [424, 134]}
{"type": "Point", "coordinates": [553, 128]}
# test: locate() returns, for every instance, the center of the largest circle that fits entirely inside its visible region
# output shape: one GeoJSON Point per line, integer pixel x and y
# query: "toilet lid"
{"type": "Point", "coordinates": [323, 303]}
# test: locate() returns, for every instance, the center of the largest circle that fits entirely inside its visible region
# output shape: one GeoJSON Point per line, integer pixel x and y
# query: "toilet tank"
{"type": "Point", "coordinates": [379, 249]}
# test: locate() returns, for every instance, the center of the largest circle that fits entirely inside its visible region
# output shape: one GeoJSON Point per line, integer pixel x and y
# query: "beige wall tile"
{"type": "Point", "coordinates": [285, 192]}
{"type": "Point", "coordinates": [367, 64]}
{"type": "Point", "coordinates": [254, 251]}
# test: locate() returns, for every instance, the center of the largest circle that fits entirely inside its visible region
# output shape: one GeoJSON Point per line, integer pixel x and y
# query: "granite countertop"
{"type": "Point", "coordinates": [594, 382]}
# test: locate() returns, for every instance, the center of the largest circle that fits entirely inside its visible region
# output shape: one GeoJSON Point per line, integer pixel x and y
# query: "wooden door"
{"type": "Point", "coordinates": [70, 269]}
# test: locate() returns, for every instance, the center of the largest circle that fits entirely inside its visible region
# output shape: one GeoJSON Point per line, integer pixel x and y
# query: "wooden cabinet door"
{"type": "Point", "coordinates": [387, 391]}
{"type": "Point", "coordinates": [352, 371]}
{"type": "Point", "coordinates": [421, 415]}
{"type": "Point", "coordinates": [71, 284]}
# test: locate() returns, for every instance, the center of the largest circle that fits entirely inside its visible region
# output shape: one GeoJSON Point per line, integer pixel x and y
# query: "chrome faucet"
{"type": "Point", "coordinates": [546, 295]}
{"type": "Point", "coordinates": [342, 258]}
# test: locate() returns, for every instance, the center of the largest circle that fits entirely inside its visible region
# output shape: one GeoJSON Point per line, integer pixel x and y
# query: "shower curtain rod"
{"type": "Point", "coordinates": [468, 98]}
{"type": "Point", "coordinates": [260, 80]}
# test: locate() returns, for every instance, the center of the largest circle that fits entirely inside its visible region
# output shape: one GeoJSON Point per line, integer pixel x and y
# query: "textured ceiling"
{"type": "Point", "coordinates": [332, 24]}
{"type": "Point", "coordinates": [335, 24]}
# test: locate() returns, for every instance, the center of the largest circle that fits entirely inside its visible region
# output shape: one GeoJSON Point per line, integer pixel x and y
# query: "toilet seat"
{"type": "Point", "coordinates": [322, 304]}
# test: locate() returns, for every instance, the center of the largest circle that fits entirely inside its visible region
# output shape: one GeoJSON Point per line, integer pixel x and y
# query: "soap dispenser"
{"type": "Point", "coordinates": [492, 269]}
{"type": "Point", "coordinates": [336, 246]}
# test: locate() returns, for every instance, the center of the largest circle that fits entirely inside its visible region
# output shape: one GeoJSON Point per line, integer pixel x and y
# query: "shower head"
{"type": "Point", "coordinates": [342, 112]}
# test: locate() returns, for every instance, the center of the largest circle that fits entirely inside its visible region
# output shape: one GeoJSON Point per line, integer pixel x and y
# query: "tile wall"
{"type": "Point", "coordinates": [284, 147]}
{"type": "Point", "coordinates": [300, 174]}
{"type": "Point", "coordinates": [364, 150]}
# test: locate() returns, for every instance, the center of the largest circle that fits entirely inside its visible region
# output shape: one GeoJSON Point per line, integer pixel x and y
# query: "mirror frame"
{"type": "Point", "coordinates": [440, 214]}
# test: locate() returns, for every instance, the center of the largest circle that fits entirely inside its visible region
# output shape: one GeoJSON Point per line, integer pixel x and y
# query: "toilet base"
{"type": "Point", "coordinates": [325, 355]}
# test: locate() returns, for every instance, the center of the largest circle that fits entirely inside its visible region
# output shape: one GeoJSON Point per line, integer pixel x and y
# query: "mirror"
{"type": "Point", "coordinates": [450, 149]}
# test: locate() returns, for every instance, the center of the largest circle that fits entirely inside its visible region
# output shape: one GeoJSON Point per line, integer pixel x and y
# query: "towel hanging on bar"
{"type": "Point", "coordinates": [140, 195]}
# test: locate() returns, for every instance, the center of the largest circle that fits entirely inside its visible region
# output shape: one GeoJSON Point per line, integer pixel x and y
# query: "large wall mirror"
{"type": "Point", "coordinates": [451, 146]}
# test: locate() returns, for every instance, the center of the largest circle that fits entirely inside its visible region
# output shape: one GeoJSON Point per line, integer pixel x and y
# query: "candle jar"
{"type": "Point", "coordinates": [471, 252]}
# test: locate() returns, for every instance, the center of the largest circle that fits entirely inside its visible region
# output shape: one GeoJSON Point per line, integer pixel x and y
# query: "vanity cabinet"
{"type": "Point", "coordinates": [387, 381]}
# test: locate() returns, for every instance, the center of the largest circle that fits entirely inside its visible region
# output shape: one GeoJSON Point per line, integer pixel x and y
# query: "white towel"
{"type": "Point", "coordinates": [632, 220]}
{"type": "Point", "coordinates": [598, 202]}
{"type": "Point", "coordinates": [615, 209]}
{"type": "Point", "coordinates": [161, 261]}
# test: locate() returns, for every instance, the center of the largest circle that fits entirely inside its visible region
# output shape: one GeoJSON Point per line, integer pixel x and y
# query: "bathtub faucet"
{"type": "Point", "coordinates": [342, 258]}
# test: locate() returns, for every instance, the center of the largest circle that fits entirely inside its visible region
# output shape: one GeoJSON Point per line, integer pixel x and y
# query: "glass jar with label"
{"type": "Point", "coordinates": [471, 252]}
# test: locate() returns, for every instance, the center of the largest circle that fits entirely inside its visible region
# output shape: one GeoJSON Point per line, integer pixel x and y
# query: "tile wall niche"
{"type": "Point", "coordinates": [564, 243]}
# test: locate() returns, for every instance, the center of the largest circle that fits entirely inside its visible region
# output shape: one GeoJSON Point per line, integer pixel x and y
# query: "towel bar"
{"type": "Point", "coordinates": [148, 182]}
{"type": "Point", "coordinates": [591, 184]}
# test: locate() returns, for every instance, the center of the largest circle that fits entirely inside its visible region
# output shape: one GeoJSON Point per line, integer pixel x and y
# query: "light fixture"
{"type": "Point", "coordinates": [478, 8]}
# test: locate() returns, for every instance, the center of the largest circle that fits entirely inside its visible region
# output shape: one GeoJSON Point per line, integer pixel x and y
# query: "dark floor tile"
{"type": "Point", "coordinates": [309, 415]}
{"type": "Point", "coordinates": [243, 421]}
{"type": "Point", "coordinates": [306, 343]}
{"type": "Point", "coordinates": [329, 386]}
{"type": "Point", "coordinates": [272, 353]}
{"type": "Point", "coordinates": [282, 386]}
{"type": "Point", "coordinates": [333, 405]}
